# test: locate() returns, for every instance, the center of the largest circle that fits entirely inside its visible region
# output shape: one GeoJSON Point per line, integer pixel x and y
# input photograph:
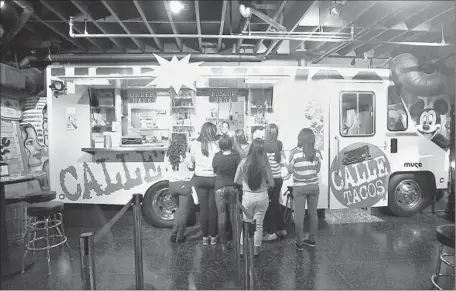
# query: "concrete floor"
{"type": "Point", "coordinates": [355, 250]}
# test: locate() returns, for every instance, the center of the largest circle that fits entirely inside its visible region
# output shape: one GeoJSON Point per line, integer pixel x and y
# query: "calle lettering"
{"type": "Point", "coordinates": [110, 182]}
{"type": "Point", "coordinates": [360, 184]}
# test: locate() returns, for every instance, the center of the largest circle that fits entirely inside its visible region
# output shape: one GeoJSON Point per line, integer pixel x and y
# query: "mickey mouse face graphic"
{"type": "Point", "coordinates": [428, 116]}
{"type": "Point", "coordinates": [429, 123]}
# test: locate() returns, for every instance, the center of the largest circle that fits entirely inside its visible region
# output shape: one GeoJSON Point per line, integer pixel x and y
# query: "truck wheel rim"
{"type": "Point", "coordinates": [164, 205]}
{"type": "Point", "coordinates": [408, 194]}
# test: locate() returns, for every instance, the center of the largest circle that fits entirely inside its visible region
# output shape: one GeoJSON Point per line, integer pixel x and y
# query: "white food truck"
{"type": "Point", "coordinates": [110, 125]}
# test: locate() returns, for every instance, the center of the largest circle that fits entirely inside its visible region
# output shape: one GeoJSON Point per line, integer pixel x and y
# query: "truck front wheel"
{"type": "Point", "coordinates": [409, 194]}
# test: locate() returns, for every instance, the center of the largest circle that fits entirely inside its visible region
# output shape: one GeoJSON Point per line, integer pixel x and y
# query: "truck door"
{"type": "Point", "coordinates": [358, 167]}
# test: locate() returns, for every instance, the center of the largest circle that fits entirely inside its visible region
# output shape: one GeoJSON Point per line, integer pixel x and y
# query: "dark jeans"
{"type": "Point", "coordinates": [204, 187]}
{"type": "Point", "coordinates": [224, 223]}
{"type": "Point", "coordinates": [274, 214]}
{"type": "Point", "coordinates": [181, 191]}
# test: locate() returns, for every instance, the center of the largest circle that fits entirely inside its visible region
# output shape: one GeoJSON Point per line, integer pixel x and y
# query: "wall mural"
{"type": "Point", "coordinates": [422, 90]}
{"type": "Point", "coordinates": [34, 128]}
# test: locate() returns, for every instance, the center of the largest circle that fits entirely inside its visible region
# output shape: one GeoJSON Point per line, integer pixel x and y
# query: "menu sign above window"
{"type": "Point", "coordinates": [223, 95]}
{"type": "Point", "coordinates": [140, 95]}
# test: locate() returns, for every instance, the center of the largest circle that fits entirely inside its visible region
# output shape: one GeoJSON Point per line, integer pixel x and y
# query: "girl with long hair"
{"type": "Point", "coordinates": [304, 164]}
{"type": "Point", "coordinates": [177, 168]}
{"type": "Point", "coordinates": [224, 164]}
{"type": "Point", "coordinates": [240, 143]}
{"type": "Point", "coordinates": [255, 176]}
{"type": "Point", "coordinates": [276, 158]}
{"type": "Point", "coordinates": [202, 153]}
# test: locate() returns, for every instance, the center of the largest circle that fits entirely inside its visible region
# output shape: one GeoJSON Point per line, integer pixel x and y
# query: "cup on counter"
{"type": "Point", "coordinates": [107, 141]}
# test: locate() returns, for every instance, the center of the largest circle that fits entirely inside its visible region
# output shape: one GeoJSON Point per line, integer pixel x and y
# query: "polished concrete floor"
{"type": "Point", "coordinates": [355, 250]}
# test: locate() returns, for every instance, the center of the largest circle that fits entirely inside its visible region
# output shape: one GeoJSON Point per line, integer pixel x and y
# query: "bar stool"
{"type": "Point", "coordinates": [289, 205]}
{"type": "Point", "coordinates": [446, 237]}
{"type": "Point", "coordinates": [40, 196]}
{"type": "Point", "coordinates": [45, 217]}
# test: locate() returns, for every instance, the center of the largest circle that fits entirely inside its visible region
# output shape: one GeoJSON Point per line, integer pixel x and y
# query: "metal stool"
{"type": "Point", "coordinates": [445, 235]}
{"type": "Point", "coordinates": [40, 196]}
{"type": "Point", "coordinates": [289, 205]}
{"type": "Point", "coordinates": [43, 217]}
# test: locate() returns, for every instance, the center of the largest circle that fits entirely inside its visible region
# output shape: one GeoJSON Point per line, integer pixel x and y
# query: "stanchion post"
{"type": "Point", "coordinates": [234, 215]}
{"type": "Point", "coordinates": [139, 271]}
{"type": "Point", "coordinates": [245, 236]}
{"type": "Point", "coordinates": [87, 255]}
{"type": "Point", "coordinates": [252, 228]}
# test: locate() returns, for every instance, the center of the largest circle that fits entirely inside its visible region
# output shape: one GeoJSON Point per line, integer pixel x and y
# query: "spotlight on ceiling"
{"type": "Point", "coordinates": [176, 6]}
{"type": "Point", "coordinates": [353, 62]}
{"type": "Point", "coordinates": [336, 7]}
{"type": "Point", "coordinates": [2, 3]}
{"type": "Point", "coordinates": [245, 11]}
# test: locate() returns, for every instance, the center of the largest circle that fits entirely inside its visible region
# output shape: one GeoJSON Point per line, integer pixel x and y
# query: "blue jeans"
{"type": "Point", "coordinates": [182, 192]}
{"type": "Point", "coordinates": [302, 194]}
{"type": "Point", "coordinates": [222, 202]}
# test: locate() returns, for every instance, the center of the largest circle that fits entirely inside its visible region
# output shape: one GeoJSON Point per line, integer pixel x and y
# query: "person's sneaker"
{"type": "Point", "coordinates": [173, 237]}
{"type": "Point", "coordinates": [309, 242]}
{"type": "Point", "coordinates": [181, 239]}
{"type": "Point", "coordinates": [299, 246]}
{"type": "Point", "coordinates": [205, 241]}
{"type": "Point", "coordinates": [224, 247]}
{"type": "Point", "coordinates": [213, 240]}
{"type": "Point", "coordinates": [282, 233]}
{"type": "Point", "coordinates": [269, 237]}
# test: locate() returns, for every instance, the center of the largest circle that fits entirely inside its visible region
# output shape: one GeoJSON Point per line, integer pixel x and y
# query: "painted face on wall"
{"type": "Point", "coordinates": [33, 149]}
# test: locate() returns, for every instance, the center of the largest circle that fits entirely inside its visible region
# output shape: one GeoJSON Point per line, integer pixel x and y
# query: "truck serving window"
{"type": "Point", "coordinates": [357, 114]}
{"type": "Point", "coordinates": [397, 117]}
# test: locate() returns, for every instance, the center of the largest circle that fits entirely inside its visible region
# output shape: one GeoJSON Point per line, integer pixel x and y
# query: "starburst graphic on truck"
{"type": "Point", "coordinates": [175, 73]}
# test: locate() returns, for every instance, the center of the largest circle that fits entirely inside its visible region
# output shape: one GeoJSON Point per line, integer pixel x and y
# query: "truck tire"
{"type": "Point", "coordinates": [159, 207]}
{"type": "Point", "coordinates": [409, 194]}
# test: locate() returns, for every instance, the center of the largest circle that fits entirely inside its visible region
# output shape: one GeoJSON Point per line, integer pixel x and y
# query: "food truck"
{"type": "Point", "coordinates": [110, 126]}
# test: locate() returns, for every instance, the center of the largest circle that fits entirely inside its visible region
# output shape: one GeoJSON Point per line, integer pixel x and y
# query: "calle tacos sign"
{"type": "Point", "coordinates": [359, 175]}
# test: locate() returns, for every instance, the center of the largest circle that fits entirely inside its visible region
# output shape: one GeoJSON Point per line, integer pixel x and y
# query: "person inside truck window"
{"type": "Point", "coordinates": [202, 152]}
{"type": "Point", "coordinates": [33, 149]}
{"type": "Point", "coordinates": [305, 164]}
{"type": "Point", "coordinates": [177, 169]}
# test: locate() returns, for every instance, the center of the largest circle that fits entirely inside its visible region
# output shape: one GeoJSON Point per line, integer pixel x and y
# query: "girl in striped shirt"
{"type": "Point", "coordinates": [304, 164]}
{"type": "Point", "coordinates": [276, 157]}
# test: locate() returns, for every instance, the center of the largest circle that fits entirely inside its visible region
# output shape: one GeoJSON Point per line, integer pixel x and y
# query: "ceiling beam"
{"type": "Point", "coordinates": [173, 26]}
{"type": "Point", "coordinates": [276, 17]}
{"type": "Point", "coordinates": [20, 23]}
{"type": "Point", "coordinates": [198, 24]}
{"type": "Point", "coordinates": [350, 12]}
{"type": "Point", "coordinates": [410, 13]}
{"type": "Point", "coordinates": [222, 24]}
{"type": "Point", "coordinates": [292, 20]}
{"type": "Point", "coordinates": [374, 21]}
{"type": "Point", "coordinates": [113, 10]}
{"type": "Point", "coordinates": [138, 5]}
{"type": "Point", "coordinates": [60, 14]}
{"type": "Point", "coordinates": [400, 36]}
{"type": "Point", "coordinates": [384, 49]}
{"type": "Point", "coordinates": [85, 10]}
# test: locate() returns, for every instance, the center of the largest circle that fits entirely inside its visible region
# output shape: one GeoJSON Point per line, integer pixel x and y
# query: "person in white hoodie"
{"type": "Point", "coordinates": [202, 153]}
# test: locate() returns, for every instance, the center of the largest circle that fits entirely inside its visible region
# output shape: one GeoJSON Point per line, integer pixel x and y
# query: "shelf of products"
{"type": "Point", "coordinates": [182, 109]}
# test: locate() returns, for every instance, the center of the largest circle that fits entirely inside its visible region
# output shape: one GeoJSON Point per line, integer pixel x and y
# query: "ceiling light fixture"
{"type": "Point", "coordinates": [336, 7]}
{"type": "Point", "coordinates": [353, 62]}
{"type": "Point", "coordinates": [246, 12]}
{"type": "Point", "coordinates": [176, 6]}
{"type": "Point", "coordinates": [2, 3]}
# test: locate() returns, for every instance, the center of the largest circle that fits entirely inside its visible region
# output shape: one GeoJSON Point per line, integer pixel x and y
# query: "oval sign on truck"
{"type": "Point", "coordinates": [359, 175]}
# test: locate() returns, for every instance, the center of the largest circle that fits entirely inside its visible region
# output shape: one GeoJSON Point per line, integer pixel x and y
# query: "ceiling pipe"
{"type": "Point", "coordinates": [151, 58]}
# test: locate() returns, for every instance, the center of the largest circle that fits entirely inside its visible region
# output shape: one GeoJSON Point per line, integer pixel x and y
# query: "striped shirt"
{"type": "Point", "coordinates": [304, 172]}
{"type": "Point", "coordinates": [276, 167]}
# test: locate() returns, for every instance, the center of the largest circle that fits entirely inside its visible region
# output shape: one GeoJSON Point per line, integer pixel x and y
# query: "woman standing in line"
{"type": "Point", "coordinates": [202, 152]}
{"type": "Point", "coordinates": [255, 176]}
{"type": "Point", "coordinates": [240, 143]}
{"type": "Point", "coordinates": [225, 164]}
{"type": "Point", "coordinates": [304, 164]}
{"type": "Point", "coordinates": [276, 158]}
{"type": "Point", "coordinates": [177, 168]}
